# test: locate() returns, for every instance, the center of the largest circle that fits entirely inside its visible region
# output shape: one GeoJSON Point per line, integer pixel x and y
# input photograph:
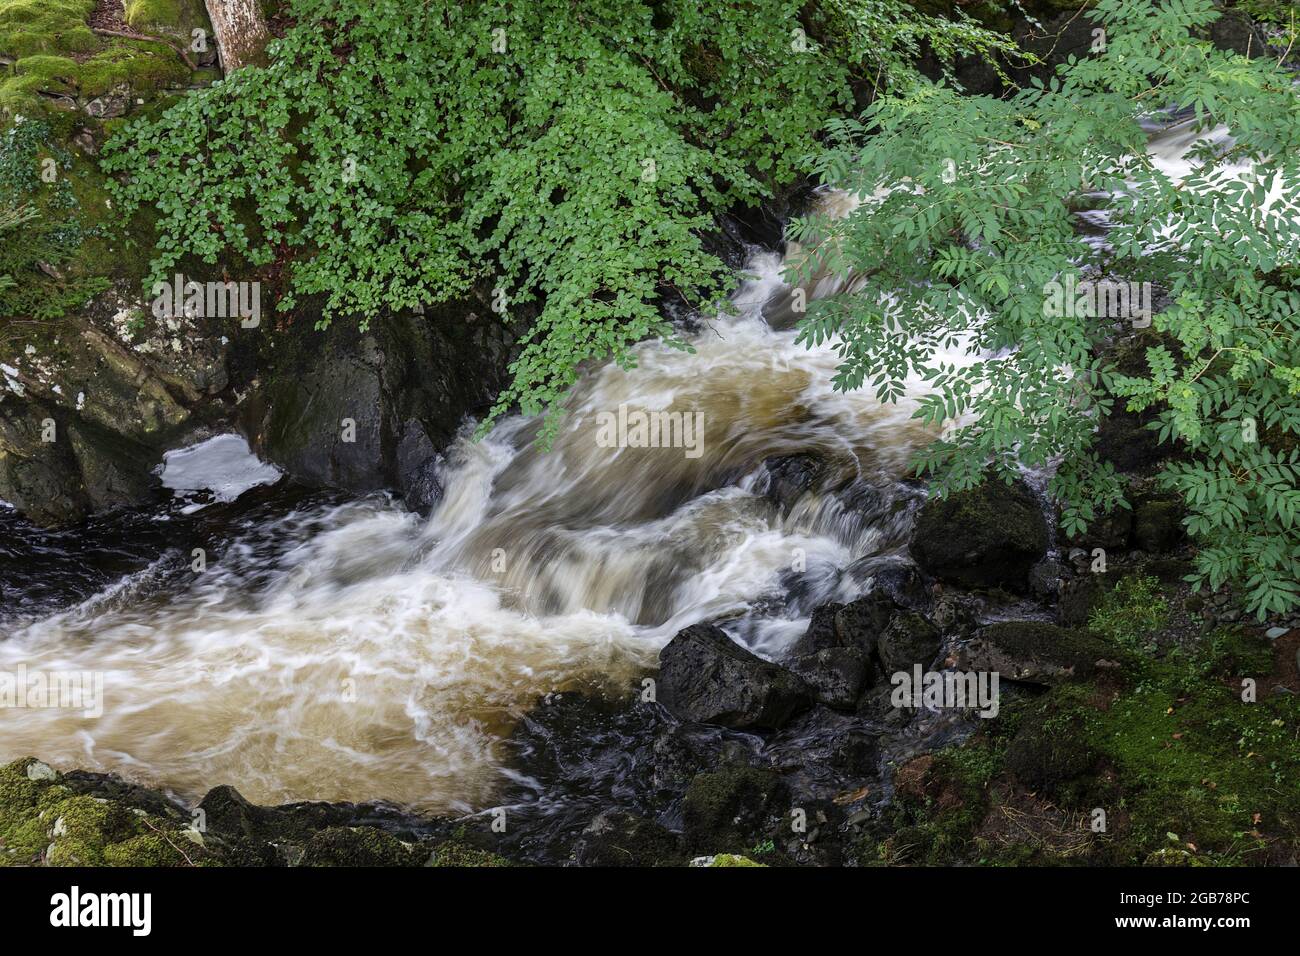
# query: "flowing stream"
{"type": "Point", "coordinates": [348, 650]}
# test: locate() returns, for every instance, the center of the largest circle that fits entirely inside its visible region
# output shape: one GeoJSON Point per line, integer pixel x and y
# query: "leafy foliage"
{"type": "Point", "coordinates": [965, 236]}
{"type": "Point", "coordinates": [565, 157]}
{"type": "Point", "coordinates": [39, 228]}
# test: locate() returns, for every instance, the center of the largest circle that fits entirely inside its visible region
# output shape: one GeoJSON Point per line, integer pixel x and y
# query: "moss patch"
{"type": "Point", "coordinates": [44, 821]}
{"type": "Point", "coordinates": [29, 27]}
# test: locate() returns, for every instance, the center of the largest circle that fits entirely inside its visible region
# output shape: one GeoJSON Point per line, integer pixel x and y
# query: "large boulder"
{"type": "Point", "coordinates": [87, 413]}
{"type": "Point", "coordinates": [368, 410]}
{"type": "Point", "coordinates": [858, 624]}
{"type": "Point", "coordinates": [707, 677]}
{"type": "Point", "coordinates": [836, 676]}
{"type": "Point", "coordinates": [910, 639]}
{"type": "Point", "coordinates": [1034, 652]}
{"type": "Point", "coordinates": [985, 537]}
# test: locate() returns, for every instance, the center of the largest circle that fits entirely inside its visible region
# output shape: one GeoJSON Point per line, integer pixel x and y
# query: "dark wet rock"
{"type": "Point", "coordinates": [224, 811]}
{"type": "Point", "coordinates": [367, 410]}
{"type": "Point", "coordinates": [1080, 596]}
{"type": "Point", "coordinates": [356, 846]}
{"type": "Point", "coordinates": [822, 631]}
{"type": "Point", "coordinates": [679, 753]}
{"type": "Point", "coordinates": [893, 576]}
{"type": "Point", "coordinates": [1235, 31]}
{"type": "Point", "coordinates": [1036, 653]}
{"type": "Point", "coordinates": [104, 786]}
{"type": "Point", "coordinates": [1109, 531]}
{"type": "Point", "coordinates": [732, 808]}
{"type": "Point", "coordinates": [417, 470]}
{"type": "Point", "coordinates": [790, 477]}
{"type": "Point", "coordinates": [707, 677]}
{"type": "Point", "coordinates": [1124, 440]}
{"type": "Point", "coordinates": [910, 639]}
{"type": "Point", "coordinates": [618, 838]}
{"type": "Point", "coordinates": [1053, 758]}
{"type": "Point", "coordinates": [1157, 522]}
{"type": "Point", "coordinates": [836, 676]}
{"type": "Point", "coordinates": [860, 623]}
{"type": "Point", "coordinates": [955, 613]}
{"type": "Point", "coordinates": [1045, 577]}
{"type": "Point", "coordinates": [985, 537]}
{"type": "Point", "coordinates": [87, 416]}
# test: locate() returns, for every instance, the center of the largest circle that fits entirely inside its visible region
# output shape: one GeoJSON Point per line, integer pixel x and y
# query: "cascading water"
{"type": "Point", "coordinates": [347, 650]}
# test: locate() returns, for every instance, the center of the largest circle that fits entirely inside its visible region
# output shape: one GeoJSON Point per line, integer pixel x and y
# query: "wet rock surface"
{"type": "Point", "coordinates": [707, 677]}
{"type": "Point", "coordinates": [989, 536]}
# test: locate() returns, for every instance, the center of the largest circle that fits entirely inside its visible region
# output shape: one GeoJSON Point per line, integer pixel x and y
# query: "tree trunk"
{"type": "Point", "coordinates": [241, 32]}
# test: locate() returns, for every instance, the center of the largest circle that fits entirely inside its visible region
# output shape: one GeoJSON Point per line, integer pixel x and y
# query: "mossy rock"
{"type": "Point", "coordinates": [731, 807]}
{"type": "Point", "coordinates": [456, 853]}
{"type": "Point", "coordinates": [357, 846]}
{"type": "Point", "coordinates": [1157, 523]}
{"type": "Point", "coordinates": [178, 17]}
{"type": "Point", "coordinates": [29, 27]}
{"type": "Point", "coordinates": [733, 859]}
{"type": "Point", "coordinates": [1050, 755]}
{"type": "Point", "coordinates": [1035, 652]}
{"type": "Point", "coordinates": [43, 819]}
{"type": "Point", "coordinates": [62, 67]}
{"type": "Point", "coordinates": [985, 537]}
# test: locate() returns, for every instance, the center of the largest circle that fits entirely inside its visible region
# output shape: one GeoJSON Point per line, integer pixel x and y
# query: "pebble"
{"type": "Point", "coordinates": [1273, 633]}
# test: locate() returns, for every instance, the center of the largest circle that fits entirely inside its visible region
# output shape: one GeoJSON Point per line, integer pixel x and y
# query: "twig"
{"type": "Point", "coordinates": [105, 31]}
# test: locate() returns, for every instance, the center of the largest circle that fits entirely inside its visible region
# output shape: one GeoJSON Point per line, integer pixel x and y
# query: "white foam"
{"type": "Point", "coordinates": [224, 466]}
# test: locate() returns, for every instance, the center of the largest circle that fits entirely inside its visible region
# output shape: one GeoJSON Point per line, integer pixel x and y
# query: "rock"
{"type": "Point", "coordinates": [985, 537]}
{"type": "Point", "coordinates": [1237, 32]}
{"type": "Point", "coordinates": [417, 470]}
{"type": "Point", "coordinates": [40, 771]}
{"type": "Point", "coordinates": [1124, 440]}
{"type": "Point", "coordinates": [1157, 523]}
{"type": "Point", "coordinates": [893, 576]}
{"type": "Point", "coordinates": [860, 623]}
{"type": "Point", "coordinates": [821, 633]}
{"type": "Point", "coordinates": [110, 105]}
{"type": "Point", "coordinates": [1055, 760]}
{"type": "Point", "coordinates": [356, 846]}
{"type": "Point", "coordinates": [400, 392]}
{"type": "Point", "coordinates": [1079, 596]}
{"type": "Point", "coordinates": [731, 808]}
{"type": "Point", "coordinates": [707, 677]}
{"type": "Point", "coordinates": [835, 675]}
{"type": "Point", "coordinates": [1035, 653]}
{"type": "Point", "coordinates": [955, 613]}
{"type": "Point", "coordinates": [1045, 577]}
{"type": "Point", "coordinates": [790, 477]}
{"type": "Point", "coordinates": [1273, 633]}
{"type": "Point", "coordinates": [619, 838]}
{"type": "Point", "coordinates": [724, 860]}
{"type": "Point", "coordinates": [910, 639]}
{"type": "Point", "coordinates": [1109, 531]}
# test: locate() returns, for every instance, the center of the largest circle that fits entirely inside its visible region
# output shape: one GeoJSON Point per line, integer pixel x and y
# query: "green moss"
{"type": "Point", "coordinates": [29, 27]}
{"type": "Point", "coordinates": [1132, 614]}
{"type": "Point", "coordinates": [148, 849]}
{"type": "Point", "coordinates": [97, 823]}
{"type": "Point", "coordinates": [178, 17]}
{"type": "Point", "coordinates": [454, 853]}
{"type": "Point", "coordinates": [730, 807]}
{"type": "Point", "coordinates": [731, 859]}
{"type": "Point", "coordinates": [356, 846]}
